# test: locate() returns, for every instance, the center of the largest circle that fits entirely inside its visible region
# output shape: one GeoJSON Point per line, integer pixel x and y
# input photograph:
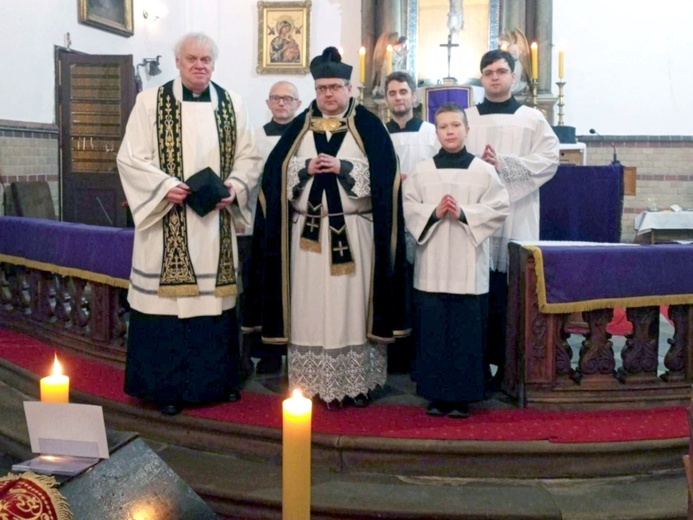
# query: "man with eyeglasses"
{"type": "Point", "coordinates": [329, 244]}
{"type": "Point", "coordinates": [283, 103]}
{"type": "Point", "coordinates": [519, 143]}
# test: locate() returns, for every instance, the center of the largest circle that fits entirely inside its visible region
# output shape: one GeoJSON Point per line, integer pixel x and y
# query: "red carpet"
{"type": "Point", "coordinates": [409, 422]}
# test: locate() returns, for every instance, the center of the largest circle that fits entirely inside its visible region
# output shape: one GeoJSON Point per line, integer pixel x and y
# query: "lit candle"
{"type": "Point", "coordinates": [341, 52]}
{"type": "Point", "coordinates": [535, 61]}
{"type": "Point", "coordinates": [56, 387]}
{"type": "Point", "coordinates": [388, 59]}
{"type": "Point", "coordinates": [561, 64]}
{"type": "Point", "coordinates": [362, 65]}
{"type": "Point", "coordinates": [504, 47]}
{"type": "Point", "coordinates": [296, 457]}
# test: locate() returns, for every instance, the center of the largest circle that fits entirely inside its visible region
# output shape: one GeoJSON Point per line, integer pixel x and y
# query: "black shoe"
{"type": "Point", "coordinates": [459, 411]}
{"type": "Point", "coordinates": [333, 405]}
{"type": "Point", "coordinates": [438, 409]}
{"type": "Point", "coordinates": [361, 401]}
{"type": "Point", "coordinates": [171, 409]}
{"type": "Point", "coordinates": [234, 396]}
{"type": "Point", "coordinates": [269, 365]}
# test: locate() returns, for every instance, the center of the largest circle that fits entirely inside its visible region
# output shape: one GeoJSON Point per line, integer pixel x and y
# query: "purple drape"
{"type": "Point", "coordinates": [97, 249]}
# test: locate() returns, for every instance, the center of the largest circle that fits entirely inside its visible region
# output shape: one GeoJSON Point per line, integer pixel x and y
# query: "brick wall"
{"type": "Point", "coordinates": [664, 171]}
{"type": "Point", "coordinates": [29, 153]}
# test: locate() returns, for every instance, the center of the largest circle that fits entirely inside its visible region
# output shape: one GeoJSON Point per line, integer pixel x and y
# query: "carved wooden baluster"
{"type": "Point", "coordinates": [641, 351]}
{"type": "Point", "coordinates": [21, 299]}
{"type": "Point", "coordinates": [63, 300]}
{"type": "Point", "coordinates": [119, 306]}
{"type": "Point", "coordinates": [39, 283]}
{"type": "Point", "coordinates": [675, 358]}
{"type": "Point", "coordinates": [5, 286]}
{"type": "Point", "coordinates": [564, 354]}
{"type": "Point", "coordinates": [80, 307]}
{"type": "Point", "coordinates": [597, 352]}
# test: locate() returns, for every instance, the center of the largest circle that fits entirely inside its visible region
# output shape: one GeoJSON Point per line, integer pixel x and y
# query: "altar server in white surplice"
{"type": "Point", "coordinates": [414, 140]}
{"type": "Point", "coordinates": [518, 141]}
{"type": "Point", "coordinates": [283, 102]}
{"type": "Point", "coordinates": [183, 333]}
{"type": "Point", "coordinates": [453, 203]}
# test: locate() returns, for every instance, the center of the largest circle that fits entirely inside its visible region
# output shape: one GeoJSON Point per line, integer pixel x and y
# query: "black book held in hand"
{"type": "Point", "coordinates": [206, 189]}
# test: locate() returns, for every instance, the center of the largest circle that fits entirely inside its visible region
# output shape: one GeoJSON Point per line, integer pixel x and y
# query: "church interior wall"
{"type": "Point", "coordinates": [623, 79]}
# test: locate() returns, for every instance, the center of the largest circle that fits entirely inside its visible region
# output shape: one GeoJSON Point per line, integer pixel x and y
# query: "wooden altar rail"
{"type": "Point", "coordinates": [539, 372]}
{"type": "Point", "coordinates": [80, 315]}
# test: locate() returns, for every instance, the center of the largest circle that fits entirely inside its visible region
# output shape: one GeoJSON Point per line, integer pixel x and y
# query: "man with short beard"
{"type": "Point", "coordinates": [415, 140]}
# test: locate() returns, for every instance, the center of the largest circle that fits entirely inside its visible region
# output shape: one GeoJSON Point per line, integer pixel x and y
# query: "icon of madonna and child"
{"type": "Point", "coordinates": [283, 47]}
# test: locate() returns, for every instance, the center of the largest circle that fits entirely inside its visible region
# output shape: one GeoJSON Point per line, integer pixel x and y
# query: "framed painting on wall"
{"type": "Point", "coordinates": [109, 15]}
{"type": "Point", "coordinates": [283, 37]}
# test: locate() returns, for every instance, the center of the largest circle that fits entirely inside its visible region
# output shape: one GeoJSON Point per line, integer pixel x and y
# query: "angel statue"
{"type": "Point", "coordinates": [399, 56]}
{"type": "Point", "coordinates": [516, 44]}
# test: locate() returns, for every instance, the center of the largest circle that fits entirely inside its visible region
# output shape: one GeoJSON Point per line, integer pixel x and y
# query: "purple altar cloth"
{"type": "Point", "coordinates": [582, 203]}
{"type": "Point", "coordinates": [574, 278]}
{"type": "Point", "coordinates": [98, 253]}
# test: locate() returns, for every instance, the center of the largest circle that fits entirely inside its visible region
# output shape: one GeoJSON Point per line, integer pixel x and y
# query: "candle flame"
{"type": "Point", "coordinates": [534, 45]}
{"type": "Point", "coordinates": [297, 394]}
{"type": "Point", "coordinates": [389, 48]}
{"type": "Point", "coordinates": [57, 367]}
{"type": "Point", "coordinates": [504, 47]}
{"type": "Point", "coordinates": [362, 51]}
{"type": "Point", "coordinates": [341, 51]}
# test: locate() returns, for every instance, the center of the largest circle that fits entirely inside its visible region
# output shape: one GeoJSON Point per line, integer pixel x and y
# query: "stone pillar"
{"type": "Point", "coordinates": [512, 15]}
{"type": "Point", "coordinates": [543, 24]}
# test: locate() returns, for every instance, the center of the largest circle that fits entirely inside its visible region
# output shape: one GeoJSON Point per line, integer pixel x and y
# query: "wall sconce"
{"type": "Point", "coordinates": [154, 11]}
{"type": "Point", "coordinates": [151, 68]}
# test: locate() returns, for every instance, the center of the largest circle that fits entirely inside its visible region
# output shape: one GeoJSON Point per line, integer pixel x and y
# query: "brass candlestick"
{"type": "Point", "coordinates": [534, 85]}
{"type": "Point", "coordinates": [361, 88]}
{"type": "Point", "coordinates": [561, 103]}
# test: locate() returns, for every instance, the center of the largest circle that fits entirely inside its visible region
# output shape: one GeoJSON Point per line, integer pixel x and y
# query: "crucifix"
{"type": "Point", "coordinates": [449, 46]}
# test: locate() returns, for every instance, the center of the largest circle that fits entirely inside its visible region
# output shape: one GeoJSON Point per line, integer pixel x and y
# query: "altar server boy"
{"type": "Point", "coordinates": [453, 203]}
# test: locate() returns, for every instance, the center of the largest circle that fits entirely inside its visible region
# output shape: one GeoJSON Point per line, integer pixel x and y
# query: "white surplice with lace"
{"type": "Point", "coordinates": [528, 151]}
{"type": "Point", "coordinates": [328, 352]}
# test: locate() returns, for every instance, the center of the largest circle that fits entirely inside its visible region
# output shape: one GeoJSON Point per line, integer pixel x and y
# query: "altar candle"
{"type": "Point", "coordinates": [296, 457]}
{"type": "Point", "coordinates": [561, 64]}
{"type": "Point", "coordinates": [388, 58]}
{"type": "Point", "coordinates": [56, 387]}
{"type": "Point", "coordinates": [535, 61]}
{"type": "Point", "coordinates": [362, 65]}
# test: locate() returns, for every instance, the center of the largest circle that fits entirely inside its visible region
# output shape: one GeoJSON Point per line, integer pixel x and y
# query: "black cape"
{"type": "Point", "coordinates": [268, 291]}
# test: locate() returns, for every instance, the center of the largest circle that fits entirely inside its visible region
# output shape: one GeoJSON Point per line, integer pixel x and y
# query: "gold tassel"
{"type": "Point", "coordinates": [342, 269]}
{"type": "Point", "coordinates": [226, 290]}
{"type": "Point", "coordinates": [310, 245]}
{"type": "Point", "coordinates": [177, 291]}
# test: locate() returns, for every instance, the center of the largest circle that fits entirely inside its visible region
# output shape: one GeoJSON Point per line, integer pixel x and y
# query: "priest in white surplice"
{"type": "Point", "coordinates": [183, 332]}
{"type": "Point", "coordinates": [518, 141]}
{"type": "Point", "coordinates": [453, 203]}
{"type": "Point", "coordinates": [330, 224]}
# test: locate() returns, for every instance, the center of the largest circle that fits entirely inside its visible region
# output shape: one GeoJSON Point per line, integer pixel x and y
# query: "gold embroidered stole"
{"type": "Point", "coordinates": [177, 273]}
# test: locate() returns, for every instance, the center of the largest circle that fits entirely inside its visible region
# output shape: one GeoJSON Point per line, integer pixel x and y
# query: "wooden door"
{"type": "Point", "coordinates": [95, 96]}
